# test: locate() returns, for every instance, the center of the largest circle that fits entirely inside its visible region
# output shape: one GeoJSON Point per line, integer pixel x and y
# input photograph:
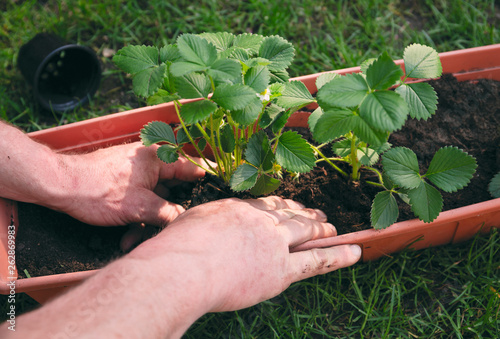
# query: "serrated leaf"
{"type": "Point", "coordinates": [367, 156]}
{"type": "Point", "coordinates": [234, 97]}
{"type": "Point", "coordinates": [227, 138]}
{"type": "Point", "coordinates": [243, 178]}
{"type": "Point", "coordinates": [180, 68]}
{"type": "Point", "coordinates": [494, 186]}
{"type": "Point", "coordinates": [425, 201]}
{"type": "Point", "coordinates": [294, 153]}
{"type": "Point", "coordinates": [196, 111]}
{"type": "Point", "coordinates": [258, 152]}
{"type": "Point", "coordinates": [169, 53]}
{"type": "Point", "coordinates": [421, 99]}
{"type": "Point", "coordinates": [325, 78]}
{"type": "Point", "coordinates": [343, 91]}
{"type": "Point", "coordinates": [167, 153]}
{"type": "Point", "coordinates": [193, 86]}
{"type": "Point", "coordinates": [157, 131]}
{"type": "Point", "coordinates": [221, 40]}
{"type": "Point", "coordinates": [313, 118]}
{"type": "Point", "coordinates": [295, 94]}
{"type": "Point", "coordinates": [197, 50]}
{"type": "Point", "coordinates": [383, 73]}
{"type": "Point", "coordinates": [225, 70]}
{"type": "Point", "coordinates": [365, 64]}
{"type": "Point", "coordinates": [133, 59]}
{"type": "Point", "coordinates": [256, 62]}
{"type": "Point", "coordinates": [278, 51]}
{"type": "Point", "coordinates": [367, 133]}
{"type": "Point", "coordinates": [422, 62]}
{"type": "Point", "coordinates": [451, 169]}
{"type": "Point", "coordinates": [401, 166]}
{"type": "Point", "coordinates": [280, 121]}
{"type": "Point", "coordinates": [384, 110]}
{"type": "Point", "coordinates": [147, 82]}
{"type": "Point", "coordinates": [258, 78]}
{"type": "Point", "coordinates": [270, 114]}
{"type": "Point", "coordinates": [161, 97]}
{"type": "Point", "coordinates": [384, 210]}
{"type": "Point", "coordinates": [249, 114]}
{"type": "Point", "coordinates": [249, 42]}
{"type": "Point", "coordinates": [342, 148]}
{"type": "Point", "coordinates": [332, 124]}
{"type": "Point", "coordinates": [279, 76]}
{"type": "Point", "coordinates": [265, 185]}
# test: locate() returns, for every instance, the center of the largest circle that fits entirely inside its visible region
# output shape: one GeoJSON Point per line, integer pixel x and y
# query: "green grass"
{"type": "Point", "coordinates": [447, 292]}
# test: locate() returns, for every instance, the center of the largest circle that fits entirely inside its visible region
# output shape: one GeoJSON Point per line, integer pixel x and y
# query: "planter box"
{"type": "Point", "coordinates": [452, 226]}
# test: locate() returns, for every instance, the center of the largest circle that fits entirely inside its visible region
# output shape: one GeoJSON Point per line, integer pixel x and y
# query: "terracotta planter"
{"type": "Point", "coordinates": [450, 227]}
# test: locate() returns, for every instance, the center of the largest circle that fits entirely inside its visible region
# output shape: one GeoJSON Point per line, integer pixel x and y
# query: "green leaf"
{"type": "Point", "coordinates": [167, 153]}
{"type": "Point", "coordinates": [180, 68]}
{"type": "Point", "coordinates": [280, 121]}
{"type": "Point", "coordinates": [270, 114]}
{"type": "Point", "coordinates": [332, 124]}
{"type": "Point", "coordinates": [249, 42]}
{"type": "Point", "coordinates": [249, 113]}
{"type": "Point", "coordinates": [197, 50]}
{"type": "Point", "coordinates": [193, 86]}
{"type": "Point", "coordinates": [384, 110]}
{"type": "Point", "coordinates": [343, 91]}
{"type": "Point", "coordinates": [401, 166]}
{"type": "Point", "coordinates": [221, 40]}
{"type": "Point", "coordinates": [279, 76]}
{"type": "Point", "coordinates": [256, 62]}
{"type": "Point", "coordinates": [367, 156]}
{"type": "Point", "coordinates": [425, 201]}
{"type": "Point", "coordinates": [227, 138]}
{"type": "Point", "coordinates": [133, 59]}
{"type": "Point", "coordinates": [147, 82]}
{"type": "Point", "coordinates": [258, 152]}
{"type": "Point", "coordinates": [367, 133]}
{"type": "Point", "coordinates": [169, 53]}
{"type": "Point", "coordinates": [196, 111]}
{"type": "Point", "coordinates": [383, 73]}
{"type": "Point", "coordinates": [451, 169]}
{"type": "Point", "coordinates": [342, 148]}
{"type": "Point", "coordinates": [161, 97]}
{"type": "Point", "coordinates": [265, 185]}
{"type": "Point", "coordinates": [294, 153]}
{"type": "Point", "coordinates": [234, 97]}
{"type": "Point", "coordinates": [421, 99]}
{"type": "Point", "coordinates": [494, 186]}
{"type": "Point", "coordinates": [258, 78]}
{"type": "Point", "coordinates": [384, 210]}
{"type": "Point", "coordinates": [225, 70]}
{"type": "Point", "coordinates": [365, 64]}
{"type": "Point", "coordinates": [243, 178]}
{"type": "Point", "coordinates": [325, 78]}
{"type": "Point", "coordinates": [157, 131]}
{"type": "Point", "coordinates": [295, 94]}
{"type": "Point", "coordinates": [278, 51]}
{"type": "Point", "coordinates": [313, 118]}
{"type": "Point", "coordinates": [422, 62]}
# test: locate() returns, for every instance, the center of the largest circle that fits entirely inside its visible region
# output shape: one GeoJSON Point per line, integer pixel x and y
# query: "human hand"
{"type": "Point", "coordinates": [242, 249]}
{"type": "Point", "coordinates": [119, 185]}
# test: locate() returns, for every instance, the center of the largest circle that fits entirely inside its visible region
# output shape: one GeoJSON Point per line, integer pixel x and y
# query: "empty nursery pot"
{"type": "Point", "coordinates": [63, 76]}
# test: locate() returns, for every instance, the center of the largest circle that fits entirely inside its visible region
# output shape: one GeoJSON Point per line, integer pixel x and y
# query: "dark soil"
{"type": "Point", "coordinates": [468, 117]}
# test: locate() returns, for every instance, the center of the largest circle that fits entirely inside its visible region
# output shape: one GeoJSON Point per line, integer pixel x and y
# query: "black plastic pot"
{"type": "Point", "coordinates": [64, 76]}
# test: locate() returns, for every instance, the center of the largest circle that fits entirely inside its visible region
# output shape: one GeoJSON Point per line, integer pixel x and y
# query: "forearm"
{"type": "Point", "coordinates": [134, 297]}
{"type": "Point", "coordinates": [29, 171]}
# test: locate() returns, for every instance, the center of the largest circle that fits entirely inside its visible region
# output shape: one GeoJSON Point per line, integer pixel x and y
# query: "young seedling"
{"type": "Point", "coordinates": [356, 114]}
{"type": "Point", "coordinates": [235, 80]}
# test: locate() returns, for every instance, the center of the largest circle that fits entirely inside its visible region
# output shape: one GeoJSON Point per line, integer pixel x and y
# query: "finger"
{"type": "Point", "coordinates": [162, 190]}
{"type": "Point", "coordinates": [153, 210]}
{"type": "Point", "coordinates": [286, 214]}
{"type": "Point", "coordinates": [182, 169]}
{"type": "Point", "coordinates": [275, 203]}
{"type": "Point", "coordinates": [132, 237]}
{"type": "Point", "coordinates": [300, 229]}
{"type": "Point", "coordinates": [317, 261]}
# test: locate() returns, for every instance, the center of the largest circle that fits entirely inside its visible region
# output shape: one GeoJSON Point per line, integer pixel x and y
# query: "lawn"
{"type": "Point", "coordinates": [447, 292]}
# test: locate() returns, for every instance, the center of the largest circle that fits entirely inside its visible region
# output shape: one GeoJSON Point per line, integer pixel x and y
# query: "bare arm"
{"type": "Point", "coordinates": [221, 256]}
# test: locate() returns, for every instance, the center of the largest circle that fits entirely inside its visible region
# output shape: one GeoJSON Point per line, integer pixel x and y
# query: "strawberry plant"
{"type": "Point", "coordinates": [235, 80]}
{"type": "Point", "coordinates": [356, 114]}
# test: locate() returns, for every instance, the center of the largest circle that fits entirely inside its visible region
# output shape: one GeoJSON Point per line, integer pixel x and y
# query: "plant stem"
{"type": "Point", "coordinates": [212, 170]}
{"type": "Point", "coordinates": [354, 159]}
{"type": "Point", "coordinates": [324, 158]}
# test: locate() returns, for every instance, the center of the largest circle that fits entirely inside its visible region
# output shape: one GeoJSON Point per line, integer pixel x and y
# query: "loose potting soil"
{"type": "Point", "coordinates": [468, 117]}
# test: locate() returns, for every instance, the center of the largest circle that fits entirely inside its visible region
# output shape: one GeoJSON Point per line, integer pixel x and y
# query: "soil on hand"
{"type": "Point", "coordinates": [468, 117]}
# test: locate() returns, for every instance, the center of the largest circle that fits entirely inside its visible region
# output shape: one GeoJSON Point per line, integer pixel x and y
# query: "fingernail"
{"type": "Point", "coordinates": [356, 250]}
{"type": "Point", "coordinates": [321, 214]}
